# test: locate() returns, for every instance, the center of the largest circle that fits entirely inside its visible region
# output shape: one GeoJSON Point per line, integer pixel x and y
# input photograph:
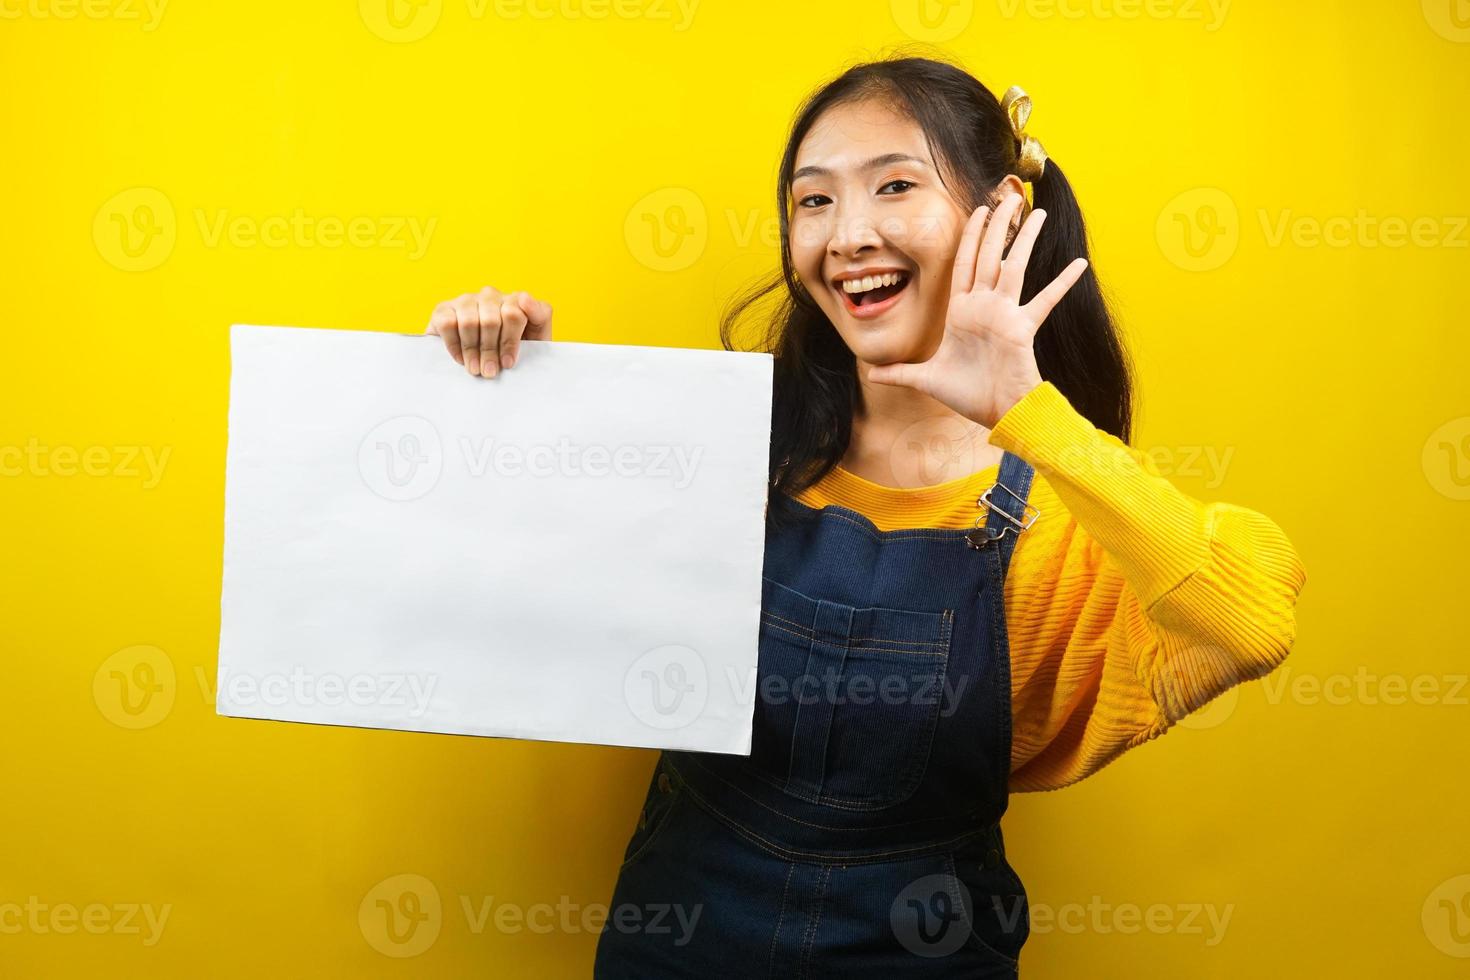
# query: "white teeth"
{"type": "Point", "coordinates": [866, 283]}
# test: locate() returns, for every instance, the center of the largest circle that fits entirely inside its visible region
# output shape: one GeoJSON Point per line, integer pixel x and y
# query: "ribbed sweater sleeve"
{"type": "Point", "coordinates": [1151, 605]}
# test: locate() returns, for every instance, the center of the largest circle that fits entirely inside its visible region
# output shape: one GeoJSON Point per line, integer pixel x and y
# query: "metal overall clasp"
{"type": "Point", "coordinates": [981, 535]}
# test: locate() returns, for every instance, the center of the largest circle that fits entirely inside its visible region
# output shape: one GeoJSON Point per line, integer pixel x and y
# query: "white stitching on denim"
{"type": "Point", "coordinates": [866, 640]}
{"type": "Point", "coordinates": [780, 916]}
{"type": "Point", "coordinates": [819, 896]}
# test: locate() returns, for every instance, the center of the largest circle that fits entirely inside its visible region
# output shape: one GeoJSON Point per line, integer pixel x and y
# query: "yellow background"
{"type": "Point", "coordinates": [545, 142]}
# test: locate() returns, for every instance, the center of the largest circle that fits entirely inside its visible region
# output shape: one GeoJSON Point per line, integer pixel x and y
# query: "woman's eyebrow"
{"type": "Point", "coordinates": [873, 164]}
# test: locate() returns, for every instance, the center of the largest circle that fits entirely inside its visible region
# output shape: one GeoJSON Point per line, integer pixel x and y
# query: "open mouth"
{"type": "Point", "coordinates": [880, 292]}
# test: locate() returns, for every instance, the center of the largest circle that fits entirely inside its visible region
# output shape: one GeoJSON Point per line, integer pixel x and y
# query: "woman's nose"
{"type": "Point", "coordinates": [852, 229]}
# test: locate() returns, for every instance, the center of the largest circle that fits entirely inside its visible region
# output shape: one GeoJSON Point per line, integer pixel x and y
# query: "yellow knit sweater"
{"type": "Point", "coordinates": [1129, 604]}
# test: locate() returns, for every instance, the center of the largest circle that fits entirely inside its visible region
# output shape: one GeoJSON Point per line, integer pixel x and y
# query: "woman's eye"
{"type": "Point", "coordinates": [816, 200]}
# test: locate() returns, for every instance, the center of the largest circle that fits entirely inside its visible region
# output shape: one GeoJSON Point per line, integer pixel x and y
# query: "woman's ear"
{"type": "Point", "coordinates": [1013, 185]}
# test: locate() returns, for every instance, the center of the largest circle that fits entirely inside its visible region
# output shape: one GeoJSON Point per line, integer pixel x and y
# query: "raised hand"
{"type": "Point", "coordinates": [986, 361]}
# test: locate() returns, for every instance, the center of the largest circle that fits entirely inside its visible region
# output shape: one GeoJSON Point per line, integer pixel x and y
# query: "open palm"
{"type": "Point", "coordinates": [986, 361]}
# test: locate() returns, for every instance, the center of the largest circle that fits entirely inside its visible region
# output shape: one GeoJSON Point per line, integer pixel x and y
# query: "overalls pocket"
{"type": "Point", "coordinates": [849, 697]}
{"type": "Point", "coordinates": [999, 910]}
{"type": "Point", "coordinates": [660, 799]}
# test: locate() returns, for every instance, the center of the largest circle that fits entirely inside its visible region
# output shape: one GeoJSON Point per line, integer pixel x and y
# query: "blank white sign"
{"type": "Point", "coordinates": [571, 550]}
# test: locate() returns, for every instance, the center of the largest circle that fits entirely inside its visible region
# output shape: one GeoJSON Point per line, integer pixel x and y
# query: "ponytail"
{"type": "Point", "coordinates": [1077, 348]}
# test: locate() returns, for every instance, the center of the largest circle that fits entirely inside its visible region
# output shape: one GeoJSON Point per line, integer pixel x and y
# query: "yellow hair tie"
{"type": "Point", "coordinates": [1031, 157]}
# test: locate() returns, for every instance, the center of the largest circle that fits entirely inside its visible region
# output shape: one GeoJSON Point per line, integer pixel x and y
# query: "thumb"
{"type": "Point", "coordinates": [538, 316]}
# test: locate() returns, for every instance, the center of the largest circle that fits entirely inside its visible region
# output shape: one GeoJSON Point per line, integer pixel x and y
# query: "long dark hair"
{"type": "Point", "coordinates": [816, 388]}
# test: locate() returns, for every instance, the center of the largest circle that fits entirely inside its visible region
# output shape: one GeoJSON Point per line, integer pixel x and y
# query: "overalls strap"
{"type": "Point", "coordinates": [1007, 512]}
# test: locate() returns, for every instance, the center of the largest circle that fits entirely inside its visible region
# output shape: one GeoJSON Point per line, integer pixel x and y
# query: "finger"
{"type": "Point", "coordinates": [987, 266]}
{"type": "Point", "coordinates": [445, 323]}
{"type": "Point", "coordinates": [1013, 267]}
{"type": "Point", "coordinates": [512, 325]}
{"type": "Point", "coordinates": [538, 317]}
{"type": "Point", "coordinates": [467, 313]}
{"type": "Point", "coordinates": [894, 374]}
{"type": "Point", "coordinates": [1046, 300]}
{"type": "Point", "coordinates": [488, 301]}
{"type": "Point", "coordinates": [963, 277]}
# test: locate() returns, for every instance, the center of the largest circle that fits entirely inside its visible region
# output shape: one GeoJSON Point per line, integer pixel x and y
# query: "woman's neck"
{"type": "Point", "coordinates": [903, 438]}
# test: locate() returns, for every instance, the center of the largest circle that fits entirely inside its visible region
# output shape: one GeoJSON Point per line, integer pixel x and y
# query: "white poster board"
{"type": "Point", "coordinates": [571, 550]}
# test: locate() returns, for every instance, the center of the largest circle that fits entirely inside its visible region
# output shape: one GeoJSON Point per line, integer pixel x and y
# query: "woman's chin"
{"type": "Point", "coordinates": [885, 339]}
{"type": "Point", "coordinates": [888, 346]}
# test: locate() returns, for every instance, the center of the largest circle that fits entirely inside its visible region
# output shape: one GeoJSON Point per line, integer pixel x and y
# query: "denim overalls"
{"type": "Point", "coordinates": [861, 835]}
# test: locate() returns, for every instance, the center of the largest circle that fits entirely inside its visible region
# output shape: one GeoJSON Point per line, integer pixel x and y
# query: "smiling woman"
{"type": "Point", "coordinates": [886, 168]}
{"type": "Point", "coordinates": [1033, 606]}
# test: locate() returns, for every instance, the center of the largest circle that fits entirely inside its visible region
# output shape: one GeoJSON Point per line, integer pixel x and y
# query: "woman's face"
{"type": "Point", "coordinates": [867, 202]}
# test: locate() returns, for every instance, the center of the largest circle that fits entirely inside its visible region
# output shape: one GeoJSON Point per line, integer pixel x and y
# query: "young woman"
{"type": "Point", "coordinates": [1044, 601]}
